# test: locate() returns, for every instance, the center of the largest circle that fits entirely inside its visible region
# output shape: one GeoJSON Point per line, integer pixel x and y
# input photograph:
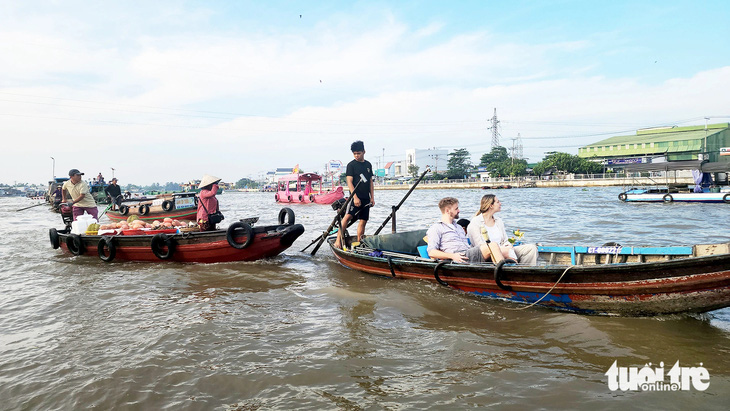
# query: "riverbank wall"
{"type": "Point", "coordinates": [568, 181]}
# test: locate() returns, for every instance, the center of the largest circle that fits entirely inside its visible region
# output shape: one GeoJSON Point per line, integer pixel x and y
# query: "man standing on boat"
{"type": "Point", "coordinates": [81, 199]}
{"type": "Point", "coordinates": [447, 239]}
{"type": "Point", "coordinates": [114, 192]}
{"type": "Point", "coordinates": [363, 194]}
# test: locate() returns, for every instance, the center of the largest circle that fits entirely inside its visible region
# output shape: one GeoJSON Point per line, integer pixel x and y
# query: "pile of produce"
{"type": "Point", "coordinates": [134, 223]}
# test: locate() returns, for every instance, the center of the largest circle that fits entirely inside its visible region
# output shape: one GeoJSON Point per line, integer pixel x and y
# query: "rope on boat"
{"type": "Point", "coordinates": [546, 294]}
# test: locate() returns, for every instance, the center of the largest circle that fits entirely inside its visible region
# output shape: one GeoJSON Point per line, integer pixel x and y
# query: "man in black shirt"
{"type": "Point", "coordinates": [364, 197]}
{"type": "Point", "coordinates": [114, 192]}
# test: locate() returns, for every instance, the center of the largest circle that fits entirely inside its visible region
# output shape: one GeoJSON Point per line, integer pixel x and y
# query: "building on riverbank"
{"type": "Point", "coordinates": [662, 144]}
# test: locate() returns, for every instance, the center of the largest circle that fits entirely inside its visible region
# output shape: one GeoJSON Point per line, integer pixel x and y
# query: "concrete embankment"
{"type": "Point", "coordinates": [567, 182]}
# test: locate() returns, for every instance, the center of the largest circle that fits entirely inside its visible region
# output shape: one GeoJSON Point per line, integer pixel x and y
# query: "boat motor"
{"type": "Point", "coordinates": [67, 215]}
{"type": "Point", "coordinates": [338, 204]}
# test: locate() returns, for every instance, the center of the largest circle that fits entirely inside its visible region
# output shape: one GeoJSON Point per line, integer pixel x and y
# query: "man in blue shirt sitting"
{"type": "Point", "coordinates": [447, 239]}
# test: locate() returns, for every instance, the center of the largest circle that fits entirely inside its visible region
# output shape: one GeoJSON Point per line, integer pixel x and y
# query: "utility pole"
{"type": "Point", "coordinates": [495, 129]}
{"type": "Point", "coordinates": [707, 152]}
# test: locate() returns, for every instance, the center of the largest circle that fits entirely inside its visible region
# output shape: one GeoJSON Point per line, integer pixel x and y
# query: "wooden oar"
{"type": "Point", "coordinates": [395, 208]}
{"type": "Point", "coordinates": [337, 218]}
{"type": "Point", "coordinates": [104, 212]}
{"type": "Point", "coordinates": [34, 205]}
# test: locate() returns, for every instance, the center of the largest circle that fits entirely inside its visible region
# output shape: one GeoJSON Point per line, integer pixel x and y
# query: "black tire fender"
{"type": "Point", "coordinates": [286, 214]}
{"type": "Point", "coordinates": [301, 198]}
{"type": "Point", "coordinates": [106, 242]}
{"type": "Point", "coordinates": [167, 205]}
{"type": "Point", "coordinates": [311, 198]}
{"type": "Point", "coordinates": [123, 210]}
{"type": "Point", "coordinates": [436, 273]}
{"type": "Point", "coordinates": [160, 240]}
{"type": "Point", "coordinates": [622, 196]}
{"type": "Point", "coordinates": [231, 236]}
{"type": "Point", "coordinates": [276, 196]}
{"type": "Point", "coordinates": [144, 209]}
{"type": "Point", "coordinates": [726, 198]}
{"type": "Point", "coordinates": [288, 198]}
{"type": "Point", "coordinates": [498, 272]}
{"type": "Point", "coordinates": [75, 244]}
{"type": "Point", "coordinates": [668, 198]}
{"type": "Point", "coordinates": [55, 242]}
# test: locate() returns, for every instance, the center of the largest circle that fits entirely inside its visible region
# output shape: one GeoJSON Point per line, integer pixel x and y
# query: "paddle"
{"type": "Point", "coordinates": [337, 218]}
{"type": "Point", "coordinates": [395, 208]}
{"type": "Point", "coordinates": [104, 212]}
{"type": "Point", "coordinates": [34, 205]}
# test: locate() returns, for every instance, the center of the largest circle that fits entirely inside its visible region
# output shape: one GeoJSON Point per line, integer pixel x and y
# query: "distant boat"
{"type": "Point", "coordinates": [178, 206]}
{"type": "Point", "coordinates": [306, 188]}
{"type": "Point", "coordinates": [704, 190]}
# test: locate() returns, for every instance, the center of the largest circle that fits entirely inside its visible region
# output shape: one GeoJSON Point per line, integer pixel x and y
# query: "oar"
{"type": "Point", "coordinates": [34, 205]}
{"type": "Point", "coordinates": [104, 212]}
{"type": "Point", "coordinates": [337, 218]}
{"type": "Point", "coordinates": [395, 208]}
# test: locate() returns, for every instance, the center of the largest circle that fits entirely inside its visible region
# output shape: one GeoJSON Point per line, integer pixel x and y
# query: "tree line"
{"type": "Point", "coordinates": [499, 164]}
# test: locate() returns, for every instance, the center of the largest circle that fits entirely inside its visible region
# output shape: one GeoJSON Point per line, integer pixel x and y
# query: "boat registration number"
{"type": "Point", "coordinates": [181, 203]}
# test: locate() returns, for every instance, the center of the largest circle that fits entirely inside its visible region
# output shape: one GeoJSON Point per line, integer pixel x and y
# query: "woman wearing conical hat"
{"type": "Point", "coordinates": [207, 203]}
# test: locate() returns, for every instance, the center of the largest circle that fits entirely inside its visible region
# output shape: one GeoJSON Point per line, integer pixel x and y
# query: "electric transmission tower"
{"type": "Point", "coordinates": [495, 129]}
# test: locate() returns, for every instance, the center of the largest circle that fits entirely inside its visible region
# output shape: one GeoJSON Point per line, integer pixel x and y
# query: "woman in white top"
{"type": "Point", "coordinates": [488, 227]}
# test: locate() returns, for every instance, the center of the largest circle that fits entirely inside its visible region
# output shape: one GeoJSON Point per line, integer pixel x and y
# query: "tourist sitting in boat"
{"type": "Point", "coordinates": [207, 203]}
{"type": "Point", "coordinates": [447, 239]}
{"type": "Point", "coordinates": [489, 227]}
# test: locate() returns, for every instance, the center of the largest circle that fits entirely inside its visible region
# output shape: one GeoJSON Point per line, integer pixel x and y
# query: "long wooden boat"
{"type": "Point", "coordinates": [239, 242]}
{"type": "Point", "coordinates": [611, 280]}
{"type": "Point", "coordinates": [305, 188]}
{"type": "Point", "coordinates": [705, 190]}
{"type": "Point", "coordinates": [669, 195]}
{"type": "Point", "coordinates": [178, 206]}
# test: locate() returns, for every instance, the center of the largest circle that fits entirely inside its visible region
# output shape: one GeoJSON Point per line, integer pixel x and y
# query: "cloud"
{"type": "Point", "coordinates": [165, 101]}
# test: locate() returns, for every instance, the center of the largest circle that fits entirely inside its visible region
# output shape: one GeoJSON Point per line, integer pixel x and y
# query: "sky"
{"type": "Point", "coordinates": [167, 91]}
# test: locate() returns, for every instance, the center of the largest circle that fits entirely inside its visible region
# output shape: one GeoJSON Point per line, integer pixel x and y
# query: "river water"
{"type": "Point", "coordinates": [302, 332]}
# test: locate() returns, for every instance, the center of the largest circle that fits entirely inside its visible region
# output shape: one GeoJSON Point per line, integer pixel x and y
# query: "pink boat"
{"type": "Point", "coordinates": [306, 188]}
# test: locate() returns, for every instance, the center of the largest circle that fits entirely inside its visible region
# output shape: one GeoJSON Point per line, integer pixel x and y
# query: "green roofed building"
{"type": "Point", "coordinates": [663, 144]}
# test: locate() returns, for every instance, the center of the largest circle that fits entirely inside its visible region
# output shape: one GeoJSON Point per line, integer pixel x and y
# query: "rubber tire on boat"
{"type": "Point", "coordinates": [123, 210]}
{"type": "Point", "coordinates": [55, 242]}
{"type": "Point", "coordinates": [167, 205]}
{"type": "Point", "coordinates": [106, 242]}
{"type": "Point", "coordinates": [726, 198]}
{"type": "Point", "coordinates": [75, 244]}
{"type": "Point", "coordinates": [436, 273]}
{"type": "Point", "coordinates": [301, 198]}
{"type": "Point", "coordinates": [498, 270]}
{"type": "Point", "coordinates": [288, 198]}
{"type": "Point", "coordinates": [144, 209]}
{"type": "Point", "coordinates": [230, 236]}
{"type": "Point", "coordinates": [668, 198]}
{"type": "Point", "coordinates": [276, 196]}
{"type": "Point", "coordinates": [610, 244]}
{"type": "Point", "coordinates": [311, 198]}
{"type": "Point", "coordinates": [622, 196]}
{"type": "Point", "coordinates": [158, 241]}
{"type": "Point", "coordinates": [289, 213]}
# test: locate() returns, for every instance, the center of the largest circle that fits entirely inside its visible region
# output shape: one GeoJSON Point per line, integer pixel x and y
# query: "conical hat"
{"type": "Point", "coordinates": [208, 180]}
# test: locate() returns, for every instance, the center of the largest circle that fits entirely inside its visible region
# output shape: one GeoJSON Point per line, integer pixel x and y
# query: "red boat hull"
{"type": "Point", "coordinates": [198, 247]}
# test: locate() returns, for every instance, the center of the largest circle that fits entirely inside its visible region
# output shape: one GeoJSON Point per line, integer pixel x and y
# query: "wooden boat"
{"type": "Point", "coordinates": [611, 280]}
{"type": "Point", "coordinates": [703, 191]}
{"type": "Point", "coordinates": [669, 195]}
{"type": "Point", "coordinates": [239, 242]}
{"type": "Point", "coordinates": [178, 206]}
{"type": "Point", "coordinates": [305, 188]}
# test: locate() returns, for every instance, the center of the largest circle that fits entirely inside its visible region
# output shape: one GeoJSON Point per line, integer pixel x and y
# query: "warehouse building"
{"type": "Point", "coordinates": [664, 144]}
